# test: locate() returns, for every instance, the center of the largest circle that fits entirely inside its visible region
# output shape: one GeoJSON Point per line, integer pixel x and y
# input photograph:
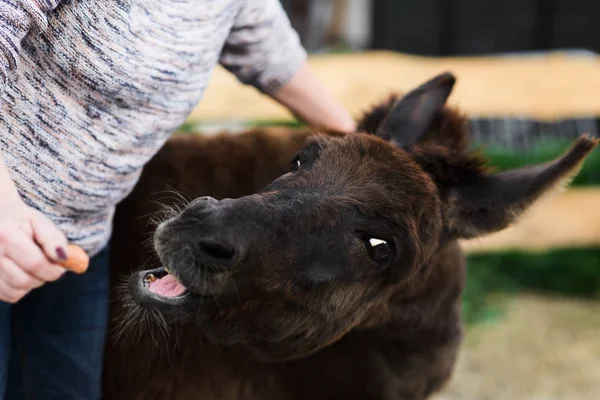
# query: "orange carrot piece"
{"type": "Point", "coordinates": [77, 259]}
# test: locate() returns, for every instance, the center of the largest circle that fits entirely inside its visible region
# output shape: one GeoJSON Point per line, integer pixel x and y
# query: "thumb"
{"type": "Point", "coordinates": [52, 241]}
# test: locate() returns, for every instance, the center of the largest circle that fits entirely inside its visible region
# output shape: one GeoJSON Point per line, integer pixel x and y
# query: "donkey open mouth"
{"type": "Point", "coordinates": [157, 287]}
{"type": "Point", "coordinates": [164, 284]}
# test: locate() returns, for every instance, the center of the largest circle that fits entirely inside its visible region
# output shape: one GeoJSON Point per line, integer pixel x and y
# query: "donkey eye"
{"type": "Point", "coordinates": [380, 250]}
{"type": "Point", "coordinates": [296, 164]}
{"type": "Point", "coordinates": [376, 242]}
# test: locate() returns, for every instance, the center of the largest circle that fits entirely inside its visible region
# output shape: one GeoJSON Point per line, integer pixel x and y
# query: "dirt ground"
{"type": "Point", "coordinates": [544, 348]}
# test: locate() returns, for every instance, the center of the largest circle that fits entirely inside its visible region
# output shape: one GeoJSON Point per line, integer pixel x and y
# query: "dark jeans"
{"type": "Point", "coordinates": [52, 341]}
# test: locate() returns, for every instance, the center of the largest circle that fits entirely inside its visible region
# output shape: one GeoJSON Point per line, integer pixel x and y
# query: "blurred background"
{"type": "Point", "coordinates": [529, 80]}
{"type": "Point", "coordinates": [446, 27]}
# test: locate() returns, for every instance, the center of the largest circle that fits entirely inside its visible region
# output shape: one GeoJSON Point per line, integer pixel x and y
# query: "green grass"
{"type": "Point", "coordinates": [568, 272]}
{"type": "Point", "coordinates": [288, 123]}
{"type": "Point", "coordinates": [188, 127]}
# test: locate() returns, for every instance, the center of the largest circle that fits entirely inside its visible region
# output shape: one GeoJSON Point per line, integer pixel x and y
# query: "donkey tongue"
{"type": "Point", "coordinates": [167, 286]}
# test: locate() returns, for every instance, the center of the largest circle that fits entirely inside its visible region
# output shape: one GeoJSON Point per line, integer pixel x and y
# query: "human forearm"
{"type": "Point", "coordinates": [265, 51]}
{"type": "Point", "coordinates": [309, 100]}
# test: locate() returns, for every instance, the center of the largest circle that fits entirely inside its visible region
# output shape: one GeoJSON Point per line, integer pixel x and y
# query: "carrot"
{"type": "Point", "coordinates": [77, 259]}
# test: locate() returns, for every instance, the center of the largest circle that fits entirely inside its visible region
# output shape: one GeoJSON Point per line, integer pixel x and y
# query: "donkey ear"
{"type": "Point", "coordinates": [410, 117]}
{"type": "Point", "coordinates": [490, 203]}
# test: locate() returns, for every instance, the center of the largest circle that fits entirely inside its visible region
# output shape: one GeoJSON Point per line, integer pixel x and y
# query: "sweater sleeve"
{"type": "Point", "coordinates": [18, 18]}
{"type": "Point", "coordinates": [262, 49]}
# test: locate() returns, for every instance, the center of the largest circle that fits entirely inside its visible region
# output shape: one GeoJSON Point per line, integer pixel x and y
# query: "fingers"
{"type": "Point", "coordinates": [22, 251]}
{"type": "Point", "coordinates": [31, 247]}
{"type": "Point", "coordinates": [50, 238]}
{"type": "Point", "coordinates": [10, 294]}
{"type": "Point", "coordinates": [15, 277]}
{"type": "Point", "coordinates": [15, 283]}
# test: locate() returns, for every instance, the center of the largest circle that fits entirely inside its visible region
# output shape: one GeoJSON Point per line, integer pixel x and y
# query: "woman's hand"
{"type": "Point", "coordinates": [30, 248]}
{"type": "Point", "coordinates": [309, 100]}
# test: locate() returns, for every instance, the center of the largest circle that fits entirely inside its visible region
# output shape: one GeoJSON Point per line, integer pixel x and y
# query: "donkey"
{"type": "Point", "coordinates": [335, 276]}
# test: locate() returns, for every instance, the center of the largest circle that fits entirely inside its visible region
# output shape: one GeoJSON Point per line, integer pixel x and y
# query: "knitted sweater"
{"type": "Point", "coordinates": [91, 89]}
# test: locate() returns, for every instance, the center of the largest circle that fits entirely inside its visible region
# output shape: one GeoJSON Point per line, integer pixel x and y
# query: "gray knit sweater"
{"type": "Point", "coordinates": [91, 89]}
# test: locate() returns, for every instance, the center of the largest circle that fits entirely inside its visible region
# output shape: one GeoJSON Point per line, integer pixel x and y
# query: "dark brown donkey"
{"type": "Point", "coordinates": [337, 276]}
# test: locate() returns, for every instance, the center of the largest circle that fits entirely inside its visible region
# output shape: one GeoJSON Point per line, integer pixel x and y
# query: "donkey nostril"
{"type": "Point", "coordinates": [217, 250]}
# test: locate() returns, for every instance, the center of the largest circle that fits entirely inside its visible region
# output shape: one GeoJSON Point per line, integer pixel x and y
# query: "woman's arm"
{"type": "Point", "coordinates": [31, 246]}
{"type": "Point", "coordinates": [263, 50]}
{"type": "Point", "coordinates": [310, 101]}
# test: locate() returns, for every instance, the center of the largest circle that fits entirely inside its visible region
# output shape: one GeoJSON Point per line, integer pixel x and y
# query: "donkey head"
{"type": "Point", "coordinates": [296, 266]}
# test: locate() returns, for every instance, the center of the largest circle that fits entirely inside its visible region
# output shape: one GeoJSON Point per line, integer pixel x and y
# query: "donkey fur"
{"type": "Point", "coordinates": [352, 328]}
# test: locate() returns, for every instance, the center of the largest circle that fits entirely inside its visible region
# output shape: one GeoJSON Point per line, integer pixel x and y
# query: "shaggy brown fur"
{"type": "Point", "coordinates": [289, 300]}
